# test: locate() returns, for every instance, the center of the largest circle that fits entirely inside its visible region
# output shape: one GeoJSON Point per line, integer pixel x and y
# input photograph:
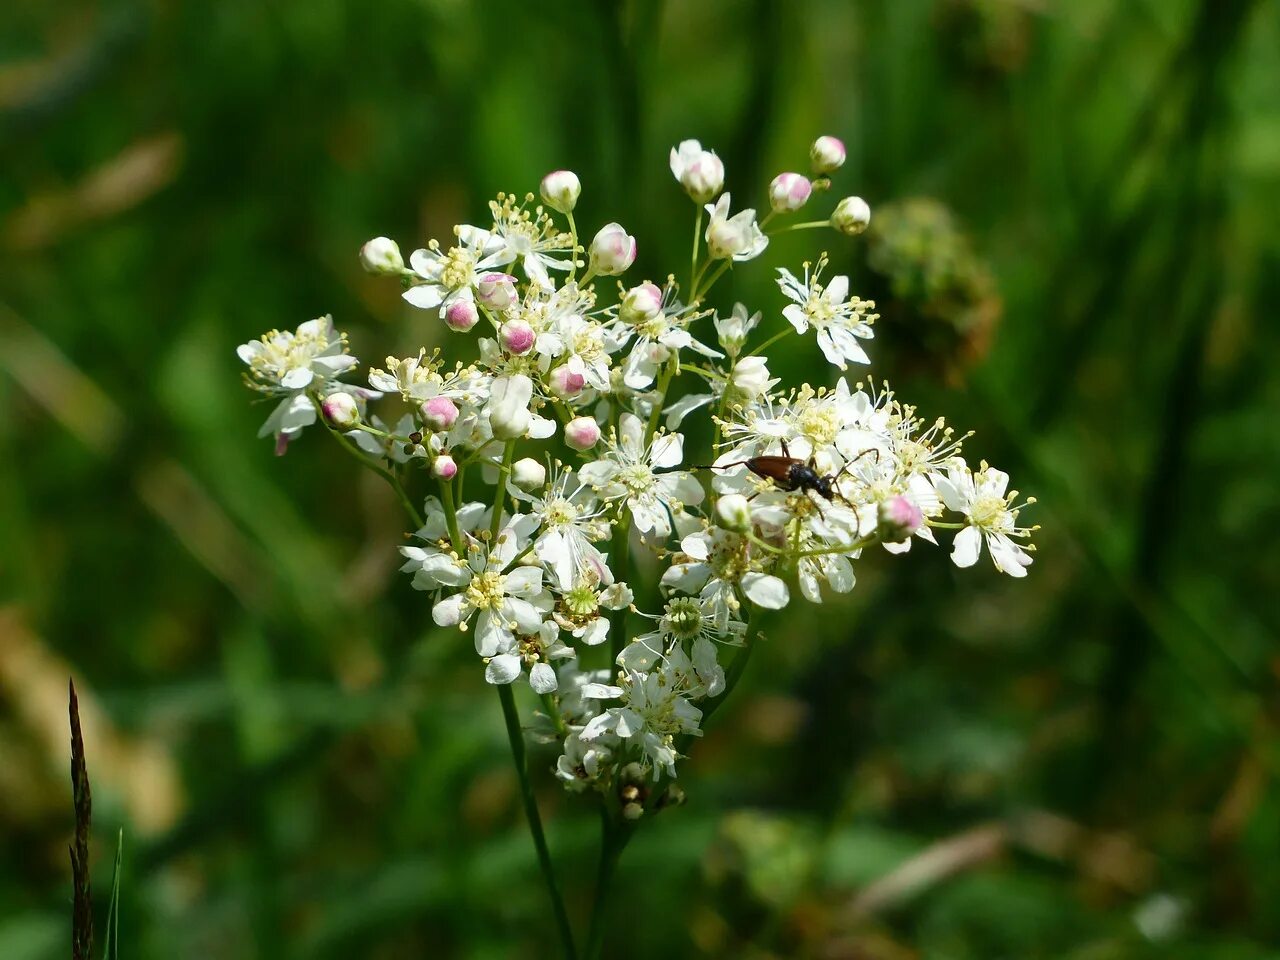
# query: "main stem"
{"type": "Point", "coordinates": [613, 839]}
{"type": "Point", "coordinates": [516, 736]}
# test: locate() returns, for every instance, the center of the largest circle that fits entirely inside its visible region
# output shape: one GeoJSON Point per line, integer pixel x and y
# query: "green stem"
{"type": "Point", "coordinates": [516, 736]}
{"type": "Point", "coordinates": [807, 225]}
{"type": "Point", "coordinates": [619, 562]}
{"type": "Point", "coordinates": [414, 514]}
{"type": "Point", "coordinates": [508, 454]}
{"type": "Point", "coordinates": [697, 235]}
{"type": "Point", "coordinates": [711, 281]}
{"type": "Point", "coordinates": [664, 384]}
{"type": "Point", "coordinates": [451, 518]}
{"type": "Point", "coordinates": [613, 840]}
{"type": "Point", "coordinates": [573, 256]}
{"type": "Point", "coordinates": [770, 342]}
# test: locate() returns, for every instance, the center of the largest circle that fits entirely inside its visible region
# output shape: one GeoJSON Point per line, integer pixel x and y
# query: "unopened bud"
{"type": "Point", "coordinates": [461, 315]}
{"type": "Point", "coordinates": [632, 811]}
{"type": "Point", "coordinates": [613, 250]}
{"type": "Point", "coordinates": [518, 336]}
{"type": "Point", "coordinates": [582, 433]}
{"type": "Point", "coordinates": [827, 154]}
{"type": "Point", "coordinates": [751, 376]}
{"type": "Point", "coordinates": [438, 413]}
{"type": "Point", "coordinates": [560, 190]}
{"type": "Point", "coordinates": [497, 291]}
{"type": "Point", "coordinates": [851, 216]}
{"type": "Point", "coordinates": [699, 171]}
{"type": "Point", "coordinates": [789, 191]}
{"type": "Point", "coordinates": [563, 382]}
{"type": "Point", "coordinates": [444, 467]}
{"type": "Point", "coordinates": [899, 519]}
{"type": "Point", "coordinates": [340, 409]}
{"type": "Point", "coordinates": [528, 474]}
{"type": "Point", "coordinates": [381, 255]}
{"type": "Point", "coordinates": [641, 304]}
{"type": "Point", "coordinates": [734, 512]}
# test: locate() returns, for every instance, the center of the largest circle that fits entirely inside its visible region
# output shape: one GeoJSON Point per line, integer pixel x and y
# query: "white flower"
{"type": "Point", "coordinates": [626, 472]}
{"type": "Point", "coordinates": [750, 378]}
{"type": "Point", "coordinates": [570, 519]}
{"type": "Point", "coordinates": [840, 323]}
{"type": "Point", "coordinates": [527, 474]}
{"type": "Point", "coordinates": [720, 566]}
{"type": "Point", "coordinates": [699, 171]}
{"type": "Point", "coordinates": [285, 364]}
{"type": "Point", "coordinates": [535, 651]}
{"type": "Point", "coordinates": [531, 238]}
{"type": "Point", "coordinates": [732, 330]}
{"type": "Point", "coordinates": [451, 276]}
{"type": "Point", "coordinates": [582, 763]}
{"type": "Point", "coordinates": [739, 236]}
{"type": "Point", "coordinates": [654, 711]}
{"type": "Point", "coordinates": [991, 514]}
{"type": "Point", "coordinates": [503, 603]}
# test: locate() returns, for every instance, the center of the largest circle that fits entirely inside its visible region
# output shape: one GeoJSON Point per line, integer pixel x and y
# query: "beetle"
{"type": "Point", "coordinates": [791, 473]}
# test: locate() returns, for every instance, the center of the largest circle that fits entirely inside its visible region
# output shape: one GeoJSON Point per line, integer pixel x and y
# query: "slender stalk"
{"type": "Point", "coordinates": [451, 518]}
{"type": "Point", "coordinates": [613, 840]}
{"type": "Point", "coordinates": [508, 454]}
{"type": "Point", "coordinates": [807, 225]}
{"type": "Point", "coordinates": [693, 265]}
{"type": "Point", "coordinates": [414, 514]}
{"type": "Point", "coordinates": [516, 736]}
{"type": "Point", "coordinates": [770, 342]}
{"type": "Point", "coordinates": [620, 563]}
{"type": "Point", "coordinates": [573, 256]}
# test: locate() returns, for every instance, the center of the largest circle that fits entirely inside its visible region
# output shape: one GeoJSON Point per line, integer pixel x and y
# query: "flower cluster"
{"type": "Point", "coordinates": [554, 456]}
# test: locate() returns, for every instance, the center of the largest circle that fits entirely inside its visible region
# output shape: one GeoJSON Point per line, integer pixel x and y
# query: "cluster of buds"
{"type": "Point", "coordinates": [569, 419]}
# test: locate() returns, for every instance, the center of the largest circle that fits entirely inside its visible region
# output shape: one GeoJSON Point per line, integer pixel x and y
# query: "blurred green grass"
{"type": "Point", "coordinates": [1082, 267]}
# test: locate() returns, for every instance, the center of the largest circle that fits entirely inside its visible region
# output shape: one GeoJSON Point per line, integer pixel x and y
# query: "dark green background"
{"type": "Point", "coordinates": [1075, 251]}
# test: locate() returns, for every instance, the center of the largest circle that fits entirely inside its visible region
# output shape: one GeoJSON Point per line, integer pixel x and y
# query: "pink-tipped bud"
{"type": "Point", "coordinates": [582, 433]}
{"type": "Point", "coordinates": [563, 382]}
{"type": "Point", "coordinates": [789, 191]}
{"type": "Point", "coordinates": [444, 467]}
{"type": "Point", "coordinates": [560, 190]}
{"type": "Point", "coordinates": [827, 154]}
{"type": "Point", "coordinates": [641, 304]}
{"type": "Point", "coordinates": [438, 413]}
{"type": "Point", "coordinates": [517, 336]}
{"type": "Point", "coordinates": [613, 250]}
{"type": "Point", "coordinates": [497, 291]}
{"type": "Point", "coordinates": [461, 315]}
{"type": "Point", "coordinates": [899, 519]}
{"type": "Point", "coordinates": [340, 410]}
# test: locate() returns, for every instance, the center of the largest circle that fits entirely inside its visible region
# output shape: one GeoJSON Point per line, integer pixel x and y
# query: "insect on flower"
{"type": "Point", "coordinates": [792, 474]}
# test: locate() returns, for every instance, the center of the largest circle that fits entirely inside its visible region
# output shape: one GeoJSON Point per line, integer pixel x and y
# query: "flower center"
{"type": "Point", "coordinates": [986, 512]}
{"type": "Point", "coordinates": [820, 423]}
{"type": "Point", "coordinates": [457, 269]}
{"type": "Point", "coordinates": [638, 478]}
{"type": "Point", "coordinates": [581, 602]}
{"type": "Point", "coordinates": [486, 591]}
{"type": "Point", "coordinates": [683, 618]}
{"type": "Point", "coordinates": [560, 513]}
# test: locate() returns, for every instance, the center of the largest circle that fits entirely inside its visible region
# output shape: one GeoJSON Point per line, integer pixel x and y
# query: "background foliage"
{"type": "Point", "coordinates": [1075, 250]}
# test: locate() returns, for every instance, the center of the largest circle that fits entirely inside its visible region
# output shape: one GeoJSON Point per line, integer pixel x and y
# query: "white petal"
{"type": "Point", "coordinates": [449, 611]}
{"type": "Point", "coordinates": [542, 678]}
{"type": "Point", "coordinates": [765, 591]}
{"type": "Point", "coordinates": [967, 546]}
{"type": "Point", "coordinates": [504, 669]}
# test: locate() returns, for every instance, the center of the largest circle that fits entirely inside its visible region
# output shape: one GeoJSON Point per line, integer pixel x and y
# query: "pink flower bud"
{"type": "Point", "coordinates": [461, 315]}
{"type": "Point", "coordinates": [641, 304]}
{"type": "Point", "coordinates": [582, 433]}
{"type": "Point", "coordinates": [827, 154]}
{"type": "Point", "coordinates": [517, 336]}
{"type": "Point", "coordinates": [560, 190]}
{"type": "Point", "coordinates": [789, 191]}
{"type": "Point", "coordinates": [340, 410]}
{"type": "Point", "coordinates": [899, 519]}
{"type": "Point", "coordinates": [438, 413]}
{"type": "Point", "coordinates": [444, 467]}
{"type": "Point", "coordinates": [563, 382]}
{"type": "Point", "coordinates": [497, 291]}
{"type": "Point", "coordinates": [613, 250]}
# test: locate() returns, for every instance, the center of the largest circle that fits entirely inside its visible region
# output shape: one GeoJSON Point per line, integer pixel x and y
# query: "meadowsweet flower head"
{"type": "Point", "coordinates": [840, 320]}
